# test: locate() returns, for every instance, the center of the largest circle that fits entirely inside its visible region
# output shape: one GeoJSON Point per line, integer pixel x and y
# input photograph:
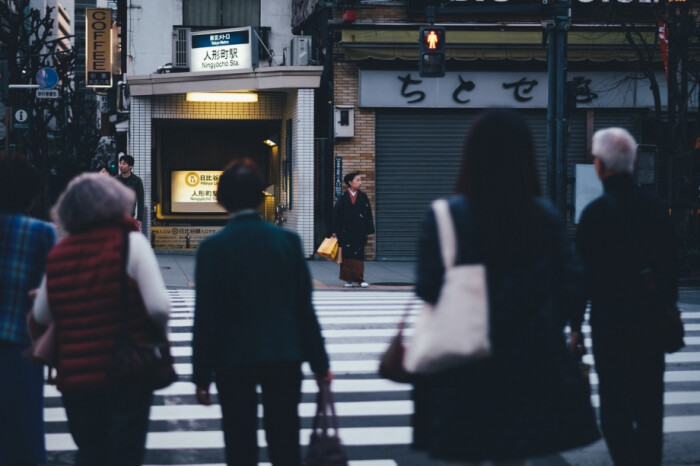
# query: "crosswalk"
{"type": "Point", "coordinates": [374, 413]}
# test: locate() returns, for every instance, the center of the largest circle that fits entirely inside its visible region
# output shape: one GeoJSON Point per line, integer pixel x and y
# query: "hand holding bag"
{"type": "Point", "coordinates": [44, 344]}
{"type": "Point", "coordinates": [391, 365]}
{"type": "Point", "coordinates": [44, 348]}
{"type": "Point", "coordinates": [325, 449]}
{"type": "Point", "coordinates": [456, 329]}
{"type": "Point", "coordinates": [328, 248]}
{"type": "Point", "coordinates": [147, 364]}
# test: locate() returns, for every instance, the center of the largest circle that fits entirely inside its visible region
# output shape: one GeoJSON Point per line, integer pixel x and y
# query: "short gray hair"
{"type": "Point", "coordinates": [90, 199]}
{"type": "Point", "coordinates": [616, 148]}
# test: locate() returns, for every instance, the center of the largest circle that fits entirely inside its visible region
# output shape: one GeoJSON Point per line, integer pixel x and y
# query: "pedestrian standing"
{"type": "Point", "coordinates": [527, 398]}
{"type": "Point", "coordinates": [24, 245]}
{"type": "Point", "coordinates": [352, 223]}
{"type": "Point", "coordinates": [127, 177]}
{"type": "Point", "coordinates": [82, 293]}
{"type": "Point", "coordinates": [625, 240]}
{"type": "Point", "coordinates": [254, 324]}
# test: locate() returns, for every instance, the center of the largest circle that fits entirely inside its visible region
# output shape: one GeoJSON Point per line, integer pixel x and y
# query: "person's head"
{"type": "Point", "coordinates": [353, 180]}
{"type": "Point", "coordinates": [126, 164]}
{"type": "Point", "coordinates": [498, 158]}
{"type": "Point", "coordinates": [92, 199]}
{"type": "Point", "coordinates": [19, 184]}
{"type": "Point", "coordinates": [615, 151]}
{"type": "Point", "coordinates": [241, 186]}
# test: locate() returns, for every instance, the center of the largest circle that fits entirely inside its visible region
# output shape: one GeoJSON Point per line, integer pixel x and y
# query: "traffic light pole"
{"type": "Point", "coordinates": [556, 30]}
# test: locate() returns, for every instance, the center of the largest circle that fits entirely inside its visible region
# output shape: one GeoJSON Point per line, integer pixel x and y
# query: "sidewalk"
{"type": "Point", "coordinates": [178, 272]}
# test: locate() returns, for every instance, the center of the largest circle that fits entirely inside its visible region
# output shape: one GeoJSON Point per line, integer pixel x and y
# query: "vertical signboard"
{"type": "Point", "coordinates": [338, 177]}
{"type": "Point", "coordinates": [98, 47]}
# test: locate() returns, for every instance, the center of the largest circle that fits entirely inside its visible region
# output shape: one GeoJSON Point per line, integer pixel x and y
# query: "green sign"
{"type": "Point", "coordinates": [20, 118]}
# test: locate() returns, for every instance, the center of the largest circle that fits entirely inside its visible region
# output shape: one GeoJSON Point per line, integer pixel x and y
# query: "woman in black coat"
{"type": "Point", "coordinates": [352, 223]}
{"type": "Point", "coordinates": [528, 397]}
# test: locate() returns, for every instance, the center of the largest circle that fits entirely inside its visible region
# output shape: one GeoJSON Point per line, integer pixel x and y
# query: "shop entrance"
{"type": "Point", "coordinates": [190, 154]}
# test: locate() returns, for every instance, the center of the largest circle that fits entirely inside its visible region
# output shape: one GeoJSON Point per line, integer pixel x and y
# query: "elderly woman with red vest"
{"type": "Point", "coordinates": [82, 294]}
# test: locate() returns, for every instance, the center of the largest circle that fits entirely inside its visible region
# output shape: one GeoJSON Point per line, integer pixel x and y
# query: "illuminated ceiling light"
{"type": "Point", "coordinates": [270, 142]}
{"type": "Point", "coordinates": [222, 97]}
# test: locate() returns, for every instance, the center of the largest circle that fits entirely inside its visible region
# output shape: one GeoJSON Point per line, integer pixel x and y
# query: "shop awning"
{"type": "Point", "coordinates": [280, 78]}
{"type": "Point", "coordinates": [491, 44]}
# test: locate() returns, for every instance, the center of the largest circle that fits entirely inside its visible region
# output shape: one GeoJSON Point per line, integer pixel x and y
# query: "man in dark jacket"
{"type": "Point", "coordinates": [254, 324]}
{"type": "Point", "coordinates": [625, 240]}
{"type": "Point", "coordinates": [126, 176]}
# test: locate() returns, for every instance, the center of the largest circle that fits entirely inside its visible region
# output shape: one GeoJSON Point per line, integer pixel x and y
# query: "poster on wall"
{"type": "Point", "coordinates": [194, 191]}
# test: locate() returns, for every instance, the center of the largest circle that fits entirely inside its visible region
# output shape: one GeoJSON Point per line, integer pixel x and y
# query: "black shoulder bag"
{"type": "Point", "coordinates": [148, 365]}
{"type": "Point", "coordinates": [671, 322]}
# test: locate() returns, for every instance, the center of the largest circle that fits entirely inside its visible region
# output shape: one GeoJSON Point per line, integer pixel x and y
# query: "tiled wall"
{"type": "Point", "coordinates": [300, 109]}
{"type": "Point", "coordinates": [268, 107]}
{"type": "Point", "coordinates": [140, 149]}
{"type": "Point", "coordinates": [296, 105]}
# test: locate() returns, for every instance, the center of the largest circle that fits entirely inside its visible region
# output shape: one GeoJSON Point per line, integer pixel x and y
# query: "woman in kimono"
{"type": "Point", "coordinates": [352, 223]}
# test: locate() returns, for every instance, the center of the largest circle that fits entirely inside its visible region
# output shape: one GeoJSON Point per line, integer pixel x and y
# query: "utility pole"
{"type": "Point", "coordinates": [556, 27]}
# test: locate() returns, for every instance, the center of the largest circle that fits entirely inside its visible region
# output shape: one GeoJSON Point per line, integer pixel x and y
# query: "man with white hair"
{"type": "Point", "coordinates": [625, 240]}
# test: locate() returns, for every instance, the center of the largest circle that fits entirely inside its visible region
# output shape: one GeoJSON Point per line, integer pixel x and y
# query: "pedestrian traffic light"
{"type": "Point", "coordinates": [431, 55]}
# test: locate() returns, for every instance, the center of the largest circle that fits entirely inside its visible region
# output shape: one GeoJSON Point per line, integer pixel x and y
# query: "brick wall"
{"type": "Point", "coordinates": [357, 152]}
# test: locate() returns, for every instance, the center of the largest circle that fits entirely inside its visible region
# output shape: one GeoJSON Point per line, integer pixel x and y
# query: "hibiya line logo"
{"type": "Point", "coordinates": [192, 179]}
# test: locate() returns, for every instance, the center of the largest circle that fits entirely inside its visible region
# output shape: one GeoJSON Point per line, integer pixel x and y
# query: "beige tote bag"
{"type": "Point", "coordinates": [456, 328]}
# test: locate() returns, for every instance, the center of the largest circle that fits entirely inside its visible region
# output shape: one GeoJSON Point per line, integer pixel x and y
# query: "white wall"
{"type": "Point", "coordinates": [277, 15]}
{"type": "Point", "coordinates": [150, 34]}
{"type": "Point", "coordinates": [151, 23]}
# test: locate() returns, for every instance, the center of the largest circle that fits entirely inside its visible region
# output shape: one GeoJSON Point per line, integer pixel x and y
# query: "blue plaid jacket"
{"type": "Point", "coordinates": [24, 244]}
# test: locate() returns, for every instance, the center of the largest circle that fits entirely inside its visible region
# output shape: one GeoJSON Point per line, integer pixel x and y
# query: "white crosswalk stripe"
{"type": "Point", "coordinates": [374, 413]}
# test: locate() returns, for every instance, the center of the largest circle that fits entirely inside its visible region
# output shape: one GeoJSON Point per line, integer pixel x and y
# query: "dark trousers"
{"type": "Point", "coordinates": [109, 425]}
{"type": "Point", "coordinates": [631, 389]}
{"type": "Point", "coordinates": [281, 393]}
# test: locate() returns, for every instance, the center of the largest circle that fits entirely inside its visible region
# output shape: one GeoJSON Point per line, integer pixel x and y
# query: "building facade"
{"type": "Point", "coordinates": [208, 82]}
{"type": "Point", "coordinates": [405, 132]}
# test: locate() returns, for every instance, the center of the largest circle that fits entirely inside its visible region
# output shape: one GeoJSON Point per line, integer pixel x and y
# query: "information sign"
{"type": "Point", "coordinates": [20, 118]}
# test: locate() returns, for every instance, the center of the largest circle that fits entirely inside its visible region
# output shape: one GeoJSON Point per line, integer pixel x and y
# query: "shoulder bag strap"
{"type": "Point", "coordinates": [446, 232]}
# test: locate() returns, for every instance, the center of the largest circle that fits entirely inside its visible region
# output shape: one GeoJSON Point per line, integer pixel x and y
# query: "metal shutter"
{"type": "Point", "coordinates": [418, 156]}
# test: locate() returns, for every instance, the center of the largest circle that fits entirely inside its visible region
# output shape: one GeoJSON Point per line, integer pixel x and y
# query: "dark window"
{"type": "Point", "coordinates": [221, 13]}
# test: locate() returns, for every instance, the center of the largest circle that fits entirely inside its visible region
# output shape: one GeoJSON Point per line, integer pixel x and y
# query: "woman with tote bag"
{"type": "Point", "coordinates": [526, 398]}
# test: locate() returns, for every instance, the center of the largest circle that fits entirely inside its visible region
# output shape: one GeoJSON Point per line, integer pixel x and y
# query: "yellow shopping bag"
{"type": "Point", "coordinates": [328, 249]}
